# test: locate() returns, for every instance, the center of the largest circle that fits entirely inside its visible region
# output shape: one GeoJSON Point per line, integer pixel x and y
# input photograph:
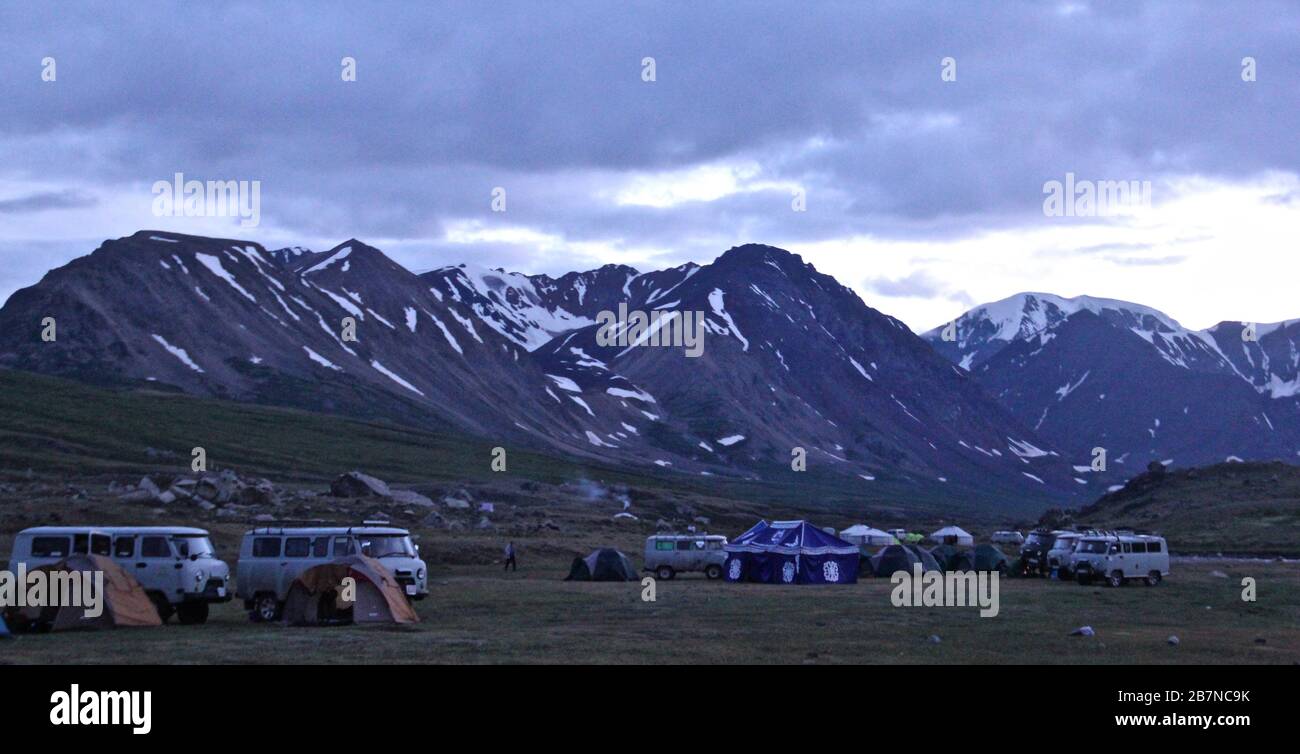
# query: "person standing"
{"type": "Point", "coordinates": [510, 557]}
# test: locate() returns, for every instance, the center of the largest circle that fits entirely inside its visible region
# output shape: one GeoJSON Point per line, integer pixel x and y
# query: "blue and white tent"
{"type": "Point", "coordinates": [790, 552]}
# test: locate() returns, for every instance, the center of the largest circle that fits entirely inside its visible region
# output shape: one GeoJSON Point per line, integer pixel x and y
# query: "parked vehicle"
{"type": "Point", "coordinates": [176, 565]}
{"type": "Point", "coordinates": [1007, 538]}
{"type": "Point", "coordinates": [670, 554]}
{"type": "Point", "coordinates": [1120, 557]}
{"type": "Point", "coordinates": [1033, 553]}
{"type": "Point", "coordinates": [1061, 555]}
{"type": "Point", "coordinates": [270, 558]}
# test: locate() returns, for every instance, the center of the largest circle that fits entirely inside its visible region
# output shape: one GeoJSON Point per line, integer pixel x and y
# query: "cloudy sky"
{"type": "Point", "coordinates": [904, 148]}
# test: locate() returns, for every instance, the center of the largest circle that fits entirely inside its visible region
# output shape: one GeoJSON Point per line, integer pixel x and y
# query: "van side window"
{"type": "Point", "coordinates": [50, 547]}
{"type": "Point", "coordinates": [712, 545]}
{"type": "Point", "coordinates": [1127, 547]}
{"type": "Point", "coordinates": [664, 544]}
{"type": "Point", "coordinates": [320, 547]}
{"type": "Point", "coordinates": [81, 543]}
{"type": "Point", "coordinates": [101, 544]}
{"type": "Point", "coordinates": [683, 545]}
{"type": "Point", "coordinates": [344, 546]}
{"type": "Point", "coordinates": [1153, 547]}
{"type": "Point", "coordinates": [154, 547]}
{"type": "Point", "coordinates": [124, 547]}
{"type": "Point", "coordinates": [297, 547]}
{"type": "Point", "coordinates": [266, 547]}
{"type": "Point", "coordinates": [1139, 547]}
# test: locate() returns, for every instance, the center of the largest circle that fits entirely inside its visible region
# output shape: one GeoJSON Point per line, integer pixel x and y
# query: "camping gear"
{"type": "Point", "coordinates": [125, 602]}
{"type": "Point", "coordinates": [928, 561]}
{"type": "Point", "coordinates": [790, 552]}
{"type": "Point", "coordinates": [318, 595]}
{"type": "Point", "coordinates": [896, 558]}
{"type": "Point", "coordinates": [944, 555]}
{"type": "Point", "coordinates": [963, 560]}
{"type": "Point", "coordinates": [607, 564]}
{"type": "Point", "coordinates": [861, 534]}
{"type": "Point", "coordinates": [989, 558]}
{"type": "Point", "coordinates": [953, 535]}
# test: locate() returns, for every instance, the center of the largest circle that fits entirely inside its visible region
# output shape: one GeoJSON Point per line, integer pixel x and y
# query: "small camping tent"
{"type": "Point", "coordinates": [989, 558]}
{"type": "Point", "coordinates": [953, 535]}
{"type": "Point", "coordinates": [928, 561]}
{"type": "Point", "coordinates": [861, 534]}
{"type": "Point", "coordinates": [944, 555]}
{"type": "Point", "coordinates": [123, 601]}
{"type": "Point", "coordinates": [319, 595]}
{"type": "Point", "coordinates": [606, 564]}
{"type": "Point", "coordinates": [896, 558]}
{"type": "Point", "coordinates": [790, 552]}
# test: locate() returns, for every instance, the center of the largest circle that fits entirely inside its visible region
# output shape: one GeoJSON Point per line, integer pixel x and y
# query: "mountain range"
{"type": "Point", "coordinates": [1090, 373]}
{"type": "Point", "coordinates": [794, 365]}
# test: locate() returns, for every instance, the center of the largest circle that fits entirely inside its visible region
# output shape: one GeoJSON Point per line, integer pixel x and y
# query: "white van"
{"type": "Point", "coordinates": [1117, 558]}
{"type": "Point", "coordinates": [670, 554]}
{"type": "Point", "coordinates": [270, 558]}
{"type": "Point", "coordinates": [176, 565]}
{"type": "Point", "coordinates": [1060, 557]}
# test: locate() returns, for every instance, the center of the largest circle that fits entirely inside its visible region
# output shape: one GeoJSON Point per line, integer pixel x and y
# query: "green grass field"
{"type": "Point", "coordinates": [478, 615]}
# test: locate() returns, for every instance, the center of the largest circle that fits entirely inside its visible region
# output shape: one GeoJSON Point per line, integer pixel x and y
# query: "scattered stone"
{"type": "Point", "coordinates": [264, 518]}
{"type": "Point", "coordinates": [357, 484]}
{"type": "Point", "coordinates": [662, 525]}
{"type": "Point", "coordinates": [484, 523]}
{"type": "Point", "coordinates": [144, 497]}
{"type": "Point", "coordinates": [1173, 641]}
{"type": "Point", "coordinates": [701, 520]}
{"type": "Point", "coordinates": [205, 505]}
{"type": "Point", "coordinates": [1219, 574]}
{"type": "Point", "coordinates": [410, 497]}
{"type": "Point", "coordinates": [167, 498]}
{"type": "Point", "coordinates": [433, 519]}
{"type": "Point", "coordinates": [624, 516]}
{"type": "Point", "coordinates": [148, 485]}
{"type": "Point", "coordinates": [260, 493]}
{"type": "Point", "coordinates": [487, 507]}
{"type": "Point", "coordinates": [218, 488]}
{"type": "Point", "coordinates": [1083, 631]}
{"type": "Point", "coordinates": [934, 639]}
{"type": "Point", "coordinates": [455, 503]}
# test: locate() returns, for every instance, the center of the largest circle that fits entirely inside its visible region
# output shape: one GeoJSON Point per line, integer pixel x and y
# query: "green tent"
{"type": "Point", "coordinates": [928, 561]}
{"type": "Point", "coordinates": [607, 564]}
{"type": "Point", "coordinates": [894, 558]}
{"type": "Point", "coordinates": [944, 555]}
{"type": "Point", "coordinates": [989, 558]}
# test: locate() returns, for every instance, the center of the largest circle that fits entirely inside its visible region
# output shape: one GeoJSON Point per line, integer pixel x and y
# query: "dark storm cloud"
{"type": "Point", "coordinates": [451, 100]}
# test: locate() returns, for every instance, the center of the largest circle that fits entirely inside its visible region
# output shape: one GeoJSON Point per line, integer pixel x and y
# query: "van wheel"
{"type": "Point", "coordinates": [714, 572]}
{"type": "Point", "coordinates": [265, 609]}
{"type": "Point", "coordinates": [164, 607]}
{"type": "Point", "coordinates": [1116, 579]}
{"type": "Point", "coordinates": [1153, 578]}
{"type": "Point", "coordinates": [192, 613]}
{"type": "Point", "coordinates": [665, 573]}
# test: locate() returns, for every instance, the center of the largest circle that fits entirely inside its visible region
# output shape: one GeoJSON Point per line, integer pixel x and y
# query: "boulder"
{"type": "Point", "coordinates": [260, 493]}
{"type": "Point", "coordinates": [357, 484]}
{"type": "Point", "coordinates": [410, 497]}
{"type": "Point", "coordinates": [455, 503]}
{"type": "Point", "coordinates": [218, 488]}
{"type": "Point", "coordinates": [144, 497]}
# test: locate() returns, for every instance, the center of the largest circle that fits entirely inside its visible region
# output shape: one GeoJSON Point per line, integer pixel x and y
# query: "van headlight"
{"type": "Point", "coordinates": [198, 577]}
{"type": "Point", "coordinates": [419, 575]}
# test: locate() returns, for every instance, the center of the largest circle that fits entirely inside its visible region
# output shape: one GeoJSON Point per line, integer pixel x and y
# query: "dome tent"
{"type": "Point", "coordinates": [125, 603]}
{"type": "Point", "coordinates": [953, 535]}
{"type": "Point", "coordinates": [790, 552]}
{"type": "Point", "coordinates": [928, 561]}
{"type": "Point", "coordinates": [989, 558]}
{"type": "Point", "coordinates": [605, 564]}
{"type": "Point", "coordinates": [896, 558]}
{"type": "Point", "coordinates": [945, 556]}
{"type": "Point", "coordinates": [316, 596]}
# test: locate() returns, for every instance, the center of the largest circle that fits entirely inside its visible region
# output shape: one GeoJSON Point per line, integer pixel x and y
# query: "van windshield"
{"type": "Point", "coordinates": [1093, 546]}
{"type": "Point", "coordinates": [1064, 544]}
{"type": "Point", "coordinates": [387, 545]}
{"type": "Point", "coordinates": [1035, 540]}
{"type": "Point", "coordinates": [194, 547]}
